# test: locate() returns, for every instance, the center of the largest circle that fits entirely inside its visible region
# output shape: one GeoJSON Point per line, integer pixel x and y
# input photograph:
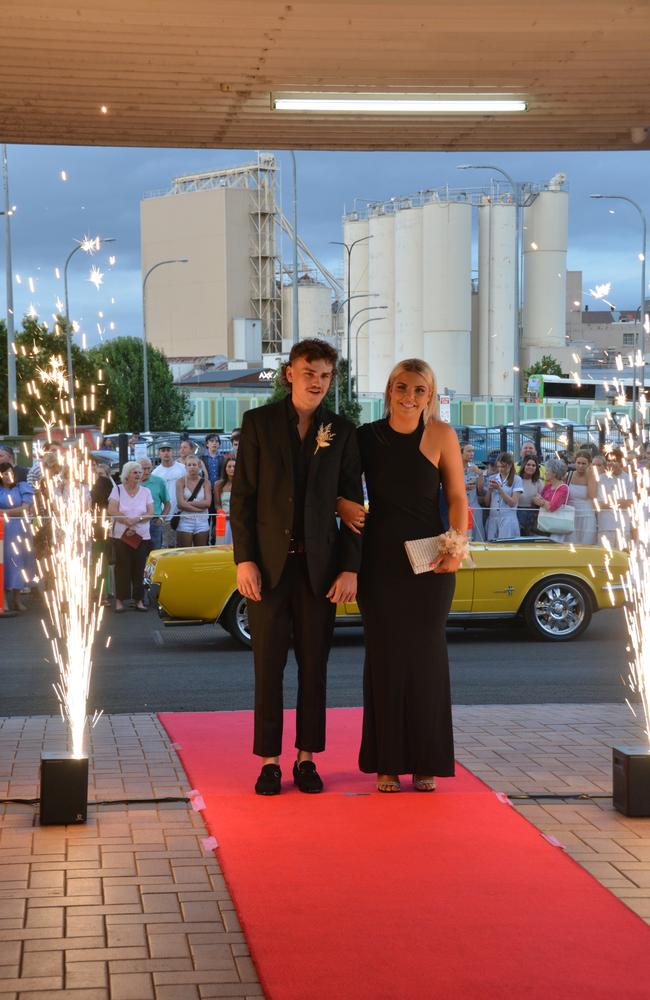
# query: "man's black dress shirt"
{"type": "Point", "coordinates": [301, 454]}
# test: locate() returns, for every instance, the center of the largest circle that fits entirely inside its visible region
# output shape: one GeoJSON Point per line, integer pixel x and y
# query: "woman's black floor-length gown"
{"type": "Point", "coordinates": [407, 725]}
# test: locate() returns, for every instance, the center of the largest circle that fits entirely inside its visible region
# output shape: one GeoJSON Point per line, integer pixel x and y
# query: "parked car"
{"type": "Point", "coordinates": [555, 588]}
{"type": "Point", "coordinates": [108, 457]}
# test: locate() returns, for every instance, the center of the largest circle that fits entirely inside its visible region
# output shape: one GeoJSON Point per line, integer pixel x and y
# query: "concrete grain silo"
{"type": "Point", "coordinates": [379, 335]}
{"type": "Point", "coordinates": [417, 263]}
{"type": "Point", "coordinates": [545, 237]}
{"type": "Point", "coordinates": [314, 310]}
{"type": "Point", "coordinates": [446, 292]}
{"type": "Point", "coordinates": [497, 248]}
{"type": "Point", "coordinates": [408, 282]}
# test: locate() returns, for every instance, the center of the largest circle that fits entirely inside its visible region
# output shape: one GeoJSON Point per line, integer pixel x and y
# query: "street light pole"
{"type": "Point", "coordinates": [295, 303]}
{"type": "Point", "coordinates": [68, 327]}
{"type": "Point", "coordinates": [516, 353]}
{"type": "Point", "coordinates": [145, 358]}
{"type": "Point", "coordinates": [337, 309]}
{"type": "Point", "coordinates": [12, 414]}
{"type": "Point", "coordinates": [639, 337]}
{"type": "Point", "coordinates": [349, 247]}
{"type": "Point", "coordinates": [356, 338]}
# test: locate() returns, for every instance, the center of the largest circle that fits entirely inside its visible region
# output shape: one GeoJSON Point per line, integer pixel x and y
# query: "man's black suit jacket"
{"type": "Point", "coordinates": [261, 511]}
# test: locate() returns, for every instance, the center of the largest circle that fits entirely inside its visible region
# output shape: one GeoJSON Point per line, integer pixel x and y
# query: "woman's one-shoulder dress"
{"type": "Point", "coordinates": [407, 727]}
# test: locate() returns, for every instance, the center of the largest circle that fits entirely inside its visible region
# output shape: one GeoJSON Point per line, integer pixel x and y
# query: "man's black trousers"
{"type": "Point", "coordinates": [290, 608]}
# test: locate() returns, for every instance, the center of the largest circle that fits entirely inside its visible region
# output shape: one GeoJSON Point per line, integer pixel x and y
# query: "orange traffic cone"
{"type": "Point", "coordinates": [220, 524]}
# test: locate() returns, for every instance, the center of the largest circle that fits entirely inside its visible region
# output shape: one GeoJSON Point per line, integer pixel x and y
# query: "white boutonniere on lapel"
{"type": "Point", "coordinates": [324, 436]}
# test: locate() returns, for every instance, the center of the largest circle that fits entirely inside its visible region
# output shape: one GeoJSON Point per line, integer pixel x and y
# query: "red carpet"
{"type": "Point", "coordinates": [450, 896]}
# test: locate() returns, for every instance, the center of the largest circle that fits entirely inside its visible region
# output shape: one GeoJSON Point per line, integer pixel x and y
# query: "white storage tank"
{"type": "Point", "coordinates": [447, 292]}
{"type": "Point", "coordinates": [545, 236]}
{"type": "Point", "coordinates": [314, 309]}
{"type": "Point", "coordinates": [408, 282]}
{"type": "Point", "coordinates": [497, 248]}
{"type": "Point", "coordinates": [378, 337]}
{"type": "Point", "coordinates": [355, 229]}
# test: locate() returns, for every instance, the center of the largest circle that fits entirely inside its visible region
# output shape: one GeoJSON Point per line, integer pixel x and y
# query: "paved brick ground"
{"type": "Point", "coordinates": [133, 906]}
{"type": "Point", "coordinates": [130, 906]}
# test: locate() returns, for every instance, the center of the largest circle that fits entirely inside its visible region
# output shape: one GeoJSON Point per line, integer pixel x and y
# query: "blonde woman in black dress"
{"type": "Point", "coordinates": [407, 457]}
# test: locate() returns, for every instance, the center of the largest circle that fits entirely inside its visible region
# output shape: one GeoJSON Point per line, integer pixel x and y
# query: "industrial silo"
{"type": "Point", "coordinates": [314, 309]}
{"type": "Point", "coordinates": [355, 229]}
{"type": "Point", "coordinates": [446, 292]}
{"type": "Point", "coordinates": [545, 236]}
{"type": "Point", "coordinates": [379, 335]}
{"type": "Point", "coordinates": [408, 281]}
{"type": "Point", "coordinates": [497, 248]}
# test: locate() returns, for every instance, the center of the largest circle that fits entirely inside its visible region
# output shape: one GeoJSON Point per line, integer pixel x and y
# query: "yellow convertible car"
{"type": "Point", "coordinates": [555, 588]}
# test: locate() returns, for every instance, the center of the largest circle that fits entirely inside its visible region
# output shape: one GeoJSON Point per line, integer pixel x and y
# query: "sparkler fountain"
{"type": "Point", "coordinates": [72, 595]}
{"type": "Point", "coordinates": [631, 764]}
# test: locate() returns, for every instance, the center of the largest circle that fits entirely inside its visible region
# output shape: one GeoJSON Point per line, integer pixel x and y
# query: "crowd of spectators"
{"type": "Point", "coordinates": [174, 500]}
{"type": "Point", "coordinates": [591, 492]}
{"type": "Point", "coordinates": [181, 498]}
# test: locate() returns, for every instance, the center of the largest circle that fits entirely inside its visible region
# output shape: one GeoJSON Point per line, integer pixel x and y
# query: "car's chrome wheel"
{"type": "Point", "coordinates": [558, 610]}
{"type": "Point", "coordinates": [235, 619]}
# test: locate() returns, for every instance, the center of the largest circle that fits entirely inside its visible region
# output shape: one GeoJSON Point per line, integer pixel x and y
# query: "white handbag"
{"type": "Point", "coordinates": [557, 522]}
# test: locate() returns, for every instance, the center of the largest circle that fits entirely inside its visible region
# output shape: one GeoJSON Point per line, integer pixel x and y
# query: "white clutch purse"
{"type": "Point", "coordinates": [421, 553]}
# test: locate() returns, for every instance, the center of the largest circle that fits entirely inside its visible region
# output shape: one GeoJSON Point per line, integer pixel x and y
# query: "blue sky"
{"type": "Point", "coordinates": [105, 185]}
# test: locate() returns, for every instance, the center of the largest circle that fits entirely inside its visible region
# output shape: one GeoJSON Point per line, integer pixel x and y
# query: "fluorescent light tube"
{"type": "Point", "coordinates": [397, 105]}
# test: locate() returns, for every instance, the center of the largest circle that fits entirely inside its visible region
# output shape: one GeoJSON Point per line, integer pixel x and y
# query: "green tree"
{"type": "Point", "coordinates": [347, 408]}
{"type": "Point", "coordinates": [36, 347]}
{"type": "Point", "coordinates": [547, 365]}
{"type": "Point", "coordinates": [121, 361]}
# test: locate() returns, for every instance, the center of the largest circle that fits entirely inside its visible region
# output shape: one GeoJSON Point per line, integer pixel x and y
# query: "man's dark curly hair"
{"type": "Point", "coordinates": [311, 349]}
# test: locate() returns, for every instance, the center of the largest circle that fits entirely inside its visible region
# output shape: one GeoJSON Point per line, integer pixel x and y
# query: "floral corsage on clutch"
{"type": "Point", "coordinates": [423, 551]}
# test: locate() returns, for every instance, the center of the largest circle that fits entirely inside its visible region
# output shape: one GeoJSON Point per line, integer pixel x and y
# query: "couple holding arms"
{"type": "Point", "coordinates": [299, 465]}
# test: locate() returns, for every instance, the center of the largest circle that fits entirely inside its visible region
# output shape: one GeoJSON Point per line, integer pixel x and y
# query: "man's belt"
{"type": "Point", "coordinates": [296, 548]}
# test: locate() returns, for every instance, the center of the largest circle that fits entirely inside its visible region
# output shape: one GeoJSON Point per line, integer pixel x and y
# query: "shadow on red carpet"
{"type": "Point", "coordinates": [354, 895]}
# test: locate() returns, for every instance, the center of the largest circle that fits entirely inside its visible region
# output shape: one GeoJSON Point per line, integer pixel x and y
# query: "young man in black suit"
{"type": "Point", "coordinates": [294, 563]}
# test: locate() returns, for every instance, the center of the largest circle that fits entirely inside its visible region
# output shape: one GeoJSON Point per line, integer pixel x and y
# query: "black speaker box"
{"type": "Point", "coordinates": [64, 789]}
{"type": "Point", "coordinates": [631, 780]}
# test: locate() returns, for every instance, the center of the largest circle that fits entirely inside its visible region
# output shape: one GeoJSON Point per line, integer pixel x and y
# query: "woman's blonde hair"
{"type": "Point", "coordinates": [418, 367]}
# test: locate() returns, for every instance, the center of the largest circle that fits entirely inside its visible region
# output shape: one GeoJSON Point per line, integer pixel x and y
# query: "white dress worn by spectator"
{"type": "Point", "coordinates": [503, 521]}
{"type": "Point", "coordinates": [614, 522]}
{"type": "Point", "coordinates": [585, 532]}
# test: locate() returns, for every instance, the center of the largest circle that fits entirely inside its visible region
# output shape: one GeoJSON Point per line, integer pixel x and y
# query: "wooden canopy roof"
{"type": "Point", "coordinates": [201, 72]}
